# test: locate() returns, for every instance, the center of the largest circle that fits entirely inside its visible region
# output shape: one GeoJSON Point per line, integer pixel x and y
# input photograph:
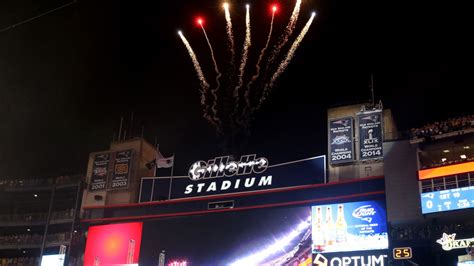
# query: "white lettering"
{"type": "Point", "coordinates": [200, 186]}
{"type": "Point", "coordinates": [212, 187]}
{"type": "Point", "coordinates": [237, 183]}
{"type": "Point", "coordinates": [355, 260]}
{"type": "Point", "coordinates": [379, 260]}
{"type": "Point", "coordinates": [189, 189]}
{"type": "Point", "coordinates": [346, 261]}
{"type": "Point", "coordinates": [265, 181]}
{"type": "Point", "coordinates": [336, 259]}
{"type": "Point", "coordinates": [226, 185]}
{"type": "Point", "coordinates": [249, 182]}
{"type": "Point", "coordinates": [221, 166]}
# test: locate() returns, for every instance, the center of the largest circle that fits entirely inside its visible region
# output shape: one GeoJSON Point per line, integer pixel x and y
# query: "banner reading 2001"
{"type": "Point", "coordinates": [370, 135]}
{"type": "Point", "coordinates": [100, 169]}
{"type": "Point", "coordinates": [340, 140]}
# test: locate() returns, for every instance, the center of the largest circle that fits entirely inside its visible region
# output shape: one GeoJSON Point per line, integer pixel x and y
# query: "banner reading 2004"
{"type": "Point", "coordinates": [340, 140]}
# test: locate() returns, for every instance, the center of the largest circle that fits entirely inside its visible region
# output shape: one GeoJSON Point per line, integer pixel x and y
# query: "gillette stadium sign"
{"type": "Point", "coordinates": [223, 175]}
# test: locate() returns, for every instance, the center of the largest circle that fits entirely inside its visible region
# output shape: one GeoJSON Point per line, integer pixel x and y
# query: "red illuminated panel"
{"type": "Point", "coordinates": [446, 170]}
{"type": "Point", "coordinates": [113, 244]}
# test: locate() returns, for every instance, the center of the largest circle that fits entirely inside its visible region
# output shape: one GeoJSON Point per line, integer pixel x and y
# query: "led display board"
{"type": "Point", "coordinates": [113, 244]}
{"type": "Point", "coordinates": [349, 226]}
{"type": "Point", "coordinates": [53, 260]}
{"type": "Point", "coordinates": [447, 200]}
{"type": "Point", "coordinates": [446, 170]}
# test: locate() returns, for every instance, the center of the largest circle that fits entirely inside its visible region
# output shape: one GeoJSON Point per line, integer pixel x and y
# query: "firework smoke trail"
{"type": "Point", "coordinates": [288, 31]}
{"type": "Point", "coordinates": [218, 75]}
{"type": "Point", "coordinates": [284, 64]}
{"type": "Point", "coordinates": [230, 34]}
{"type": "Point", "coordinates": [262, 53]}
{"type": "Point", "coordinates": [202, 79]}
{"type": "Point", "coordinates": [243, 62]}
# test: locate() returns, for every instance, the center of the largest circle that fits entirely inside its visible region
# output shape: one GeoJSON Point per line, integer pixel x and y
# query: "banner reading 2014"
{"type": "Point", "coordinates": [370, 135]}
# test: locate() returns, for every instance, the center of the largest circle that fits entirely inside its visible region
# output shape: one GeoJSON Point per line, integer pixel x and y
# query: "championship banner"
{"type": "Point", "coordinates": [370, 135]}
{"type": "Point", "coordinates": [99, 171]}
{"type": "Point", "coordinates": [122, 167]}
{"type": "Point", "coordinates": [221, 175]}
{"type": "Point", "coordinates": [340, 140]}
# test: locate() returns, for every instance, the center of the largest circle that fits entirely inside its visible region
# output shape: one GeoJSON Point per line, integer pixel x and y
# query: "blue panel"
{"type": "Point", "coordinates": [447, 200]}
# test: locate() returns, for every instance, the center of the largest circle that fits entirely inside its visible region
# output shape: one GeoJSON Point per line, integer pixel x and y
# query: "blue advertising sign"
{"type": "Point", "coordinates": [447, 200]}
{"type": "Point", "coordinates": [351, 226]}
{"type": "Point", "coordinates": [340, 140]}
{"type": "Point", "coordinates": [370, 135]}
{"type": "Point", "coordinates": [221, 175]}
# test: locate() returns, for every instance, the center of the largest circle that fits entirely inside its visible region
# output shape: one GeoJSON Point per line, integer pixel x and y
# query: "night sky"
{"type": "Point", "coordinates": [68, 77]}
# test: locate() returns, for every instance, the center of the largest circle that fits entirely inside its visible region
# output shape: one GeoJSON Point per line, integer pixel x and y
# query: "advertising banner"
{"type": "Point", "coordinates": [447, 200]}
{"type": "Point", "coordinates": [349, 226]}
{"type": "Point", "coordinates": [122, 167]}
{"type": "Point", "coordinates": [356, 258]}
{"type": "Point", "coordinates": [370, 135]}
{"type": "Point", "coordinates": [340, 140]}
{"type": "Point", "coordinates": [100, 170]}
{"type": "Point", "coordinates": [221, 175]}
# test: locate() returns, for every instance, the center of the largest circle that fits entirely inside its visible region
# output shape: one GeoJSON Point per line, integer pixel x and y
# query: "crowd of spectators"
{"type": "Point", "coordinates": [37, 217]}
{"type": "Point", "coordinates": [443, 127]}
{"type": "Point", "coordinates": [22, 261]}
{"type": "Point", "coordinates": [426, 232]}
{"type": "Point", "coordinates": [33, 239]}
{"type": "Point", "coordinates": [32, 182]}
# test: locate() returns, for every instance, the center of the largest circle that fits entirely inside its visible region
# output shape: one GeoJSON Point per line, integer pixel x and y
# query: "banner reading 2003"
{"type": "Point", "coordinates": [122, 167]}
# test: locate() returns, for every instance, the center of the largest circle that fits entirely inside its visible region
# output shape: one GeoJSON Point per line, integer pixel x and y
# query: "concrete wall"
{"type": "Point", "coordinates": [359, 169]}
{"type": "Point", "coordinates": [144, 152]}
{"type": "Point", "coordinates": [401, 183]}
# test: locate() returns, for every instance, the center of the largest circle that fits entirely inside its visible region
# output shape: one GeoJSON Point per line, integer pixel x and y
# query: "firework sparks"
{"type": "Point", "coordinates": [202, 79]}
{"type": "Point", "coordinates": [245, 51]}
{"type": "Point", "coordinates": [286, 35]}
{"type": "Point", "coordinates": [218, 74]}
{"type": "Point", "coordinates": [262, 53]}
{"type": "Point", "coordinates": [230, 34]}
{"type": "Point", "coordinates": [284, 64]}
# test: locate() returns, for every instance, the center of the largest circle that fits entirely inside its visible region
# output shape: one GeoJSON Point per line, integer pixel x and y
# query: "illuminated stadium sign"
{"type": "Point", "coordinates": [222, 175]}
